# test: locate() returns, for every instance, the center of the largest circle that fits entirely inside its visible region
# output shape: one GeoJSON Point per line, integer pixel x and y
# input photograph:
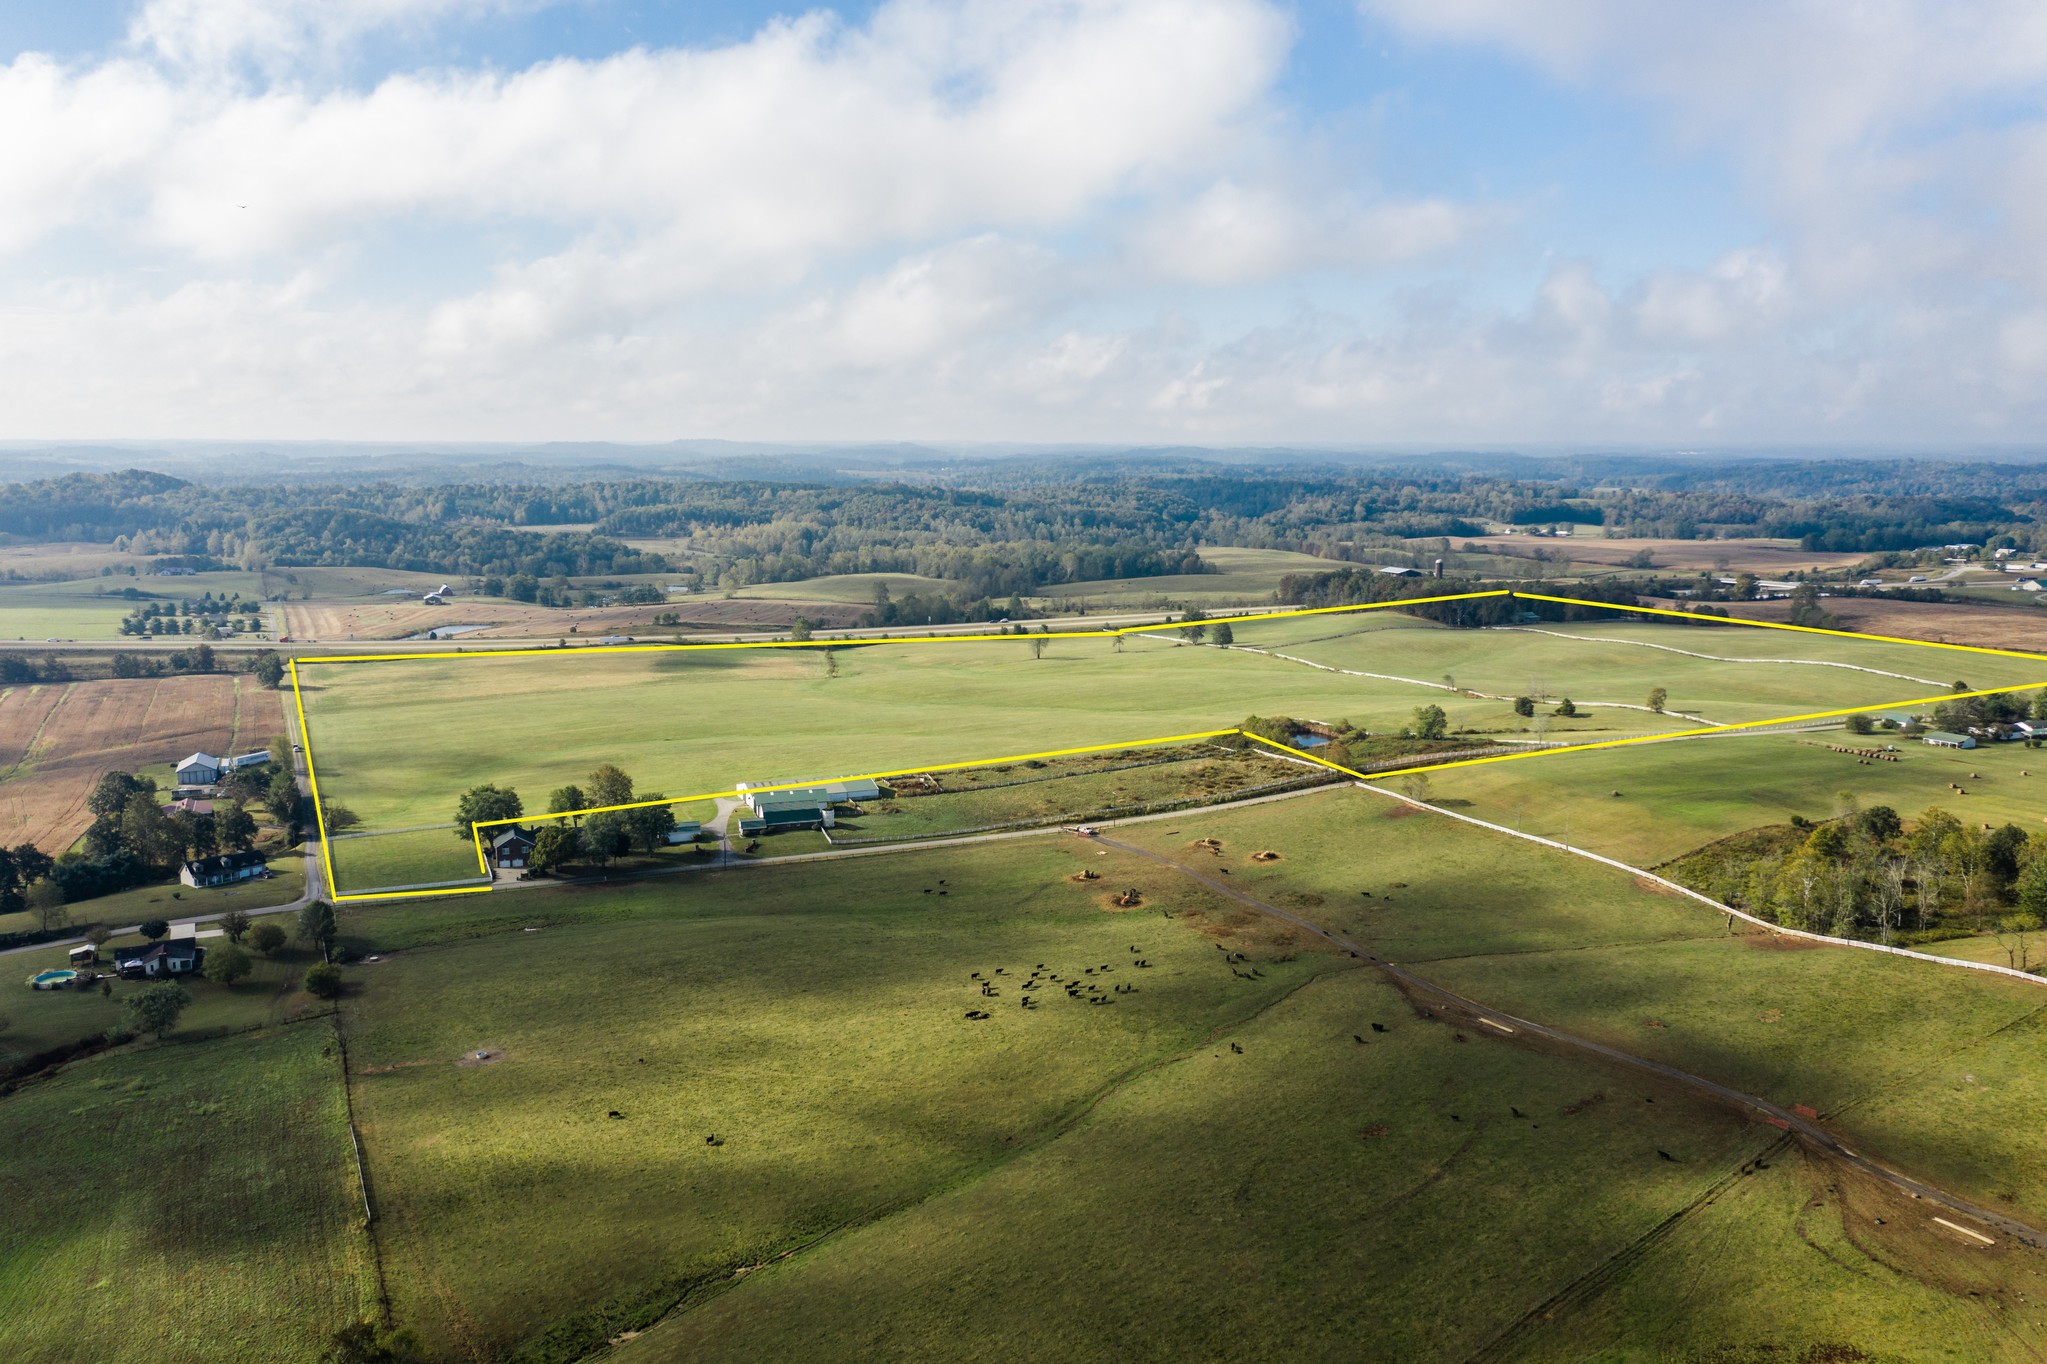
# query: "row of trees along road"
{"type": "Point", "coordinates": [581, 839]}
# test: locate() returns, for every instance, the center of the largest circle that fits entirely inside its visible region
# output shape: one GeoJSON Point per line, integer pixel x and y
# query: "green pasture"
{"type": "Point", "coordinates": [1786, 1265]}
{"type": "Point", "coordinates": [1228, 1207]}
{"type": "Point", "coordinates": [811, 1018]}
{"type": "Point", "coordinates": [183, 1203]}
{"type": "Point", "coordinates": [87, 609]}
{"type": "Point", "coordinates": [397, 741]}
{"type": "Point", "coordinates": [1245, 577]}
{"type": "Point", "coordinates": [1566, 942]}
{"type": "Point", "coordinates": [1064, 788]}
{"type": "Point", "coordinates": [844, 589]}
{"type": "Point", "coordinates": [1675, 797]}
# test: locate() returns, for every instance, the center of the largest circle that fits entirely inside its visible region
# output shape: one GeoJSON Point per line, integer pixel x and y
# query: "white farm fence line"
{"type": "Point", "coordinates": [1708, 900]}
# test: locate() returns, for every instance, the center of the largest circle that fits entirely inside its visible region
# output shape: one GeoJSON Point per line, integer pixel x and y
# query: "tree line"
{"type": "Point", "coordinates": [591, 836]}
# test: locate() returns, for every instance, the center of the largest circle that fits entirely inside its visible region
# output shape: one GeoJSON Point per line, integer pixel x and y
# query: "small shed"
{"type": "Point", "coordinates": [85, 954]}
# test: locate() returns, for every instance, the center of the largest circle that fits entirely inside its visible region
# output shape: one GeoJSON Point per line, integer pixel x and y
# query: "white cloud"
{"type": "Point", "coordinates": [1237, 233]}
{"type": "Point", "coordinates": [216, 36]}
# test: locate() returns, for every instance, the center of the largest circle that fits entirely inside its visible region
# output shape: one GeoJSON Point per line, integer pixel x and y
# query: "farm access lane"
{"type": "Point", "coordinates": [1505, 1026]}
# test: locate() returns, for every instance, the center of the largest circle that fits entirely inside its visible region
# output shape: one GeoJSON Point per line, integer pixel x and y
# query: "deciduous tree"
{"type": "Point", "coordinates": [608, 785]}
{"type": "Point", "coordinates": [156, 1008]}
{"type": "Point", "coordinates": [486, 802]}
{"type": "Point", "coordinates": [227, 963]}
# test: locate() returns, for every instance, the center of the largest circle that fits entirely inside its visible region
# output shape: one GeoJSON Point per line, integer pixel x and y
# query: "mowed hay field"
{"type": "Point", "coordinates": [183, 1203]}
{"type": "Point", "coordinates": [1725, 674]}
{"type": "Point", "coordinates": [56, 740]}
{"type": "Point", "coordinates": [400, 740]}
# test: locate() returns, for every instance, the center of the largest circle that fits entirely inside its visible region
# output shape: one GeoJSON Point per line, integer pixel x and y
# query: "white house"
{"type": "Point", "coordinates": [223, 870]}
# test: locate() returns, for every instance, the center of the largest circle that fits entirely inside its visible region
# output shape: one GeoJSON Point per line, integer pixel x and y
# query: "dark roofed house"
{"type": "Point", "coordinates": [223, 870]}
{"type": "Point", "coordinates": [511, 849]}
{"type": "Point", "coordinates": [171, 957]}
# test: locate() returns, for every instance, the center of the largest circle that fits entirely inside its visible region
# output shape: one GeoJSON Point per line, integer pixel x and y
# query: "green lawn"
{"type": "Point", "coordinates": [1244, 577]}
{"type": "Point", "coordinates": [375, 861]}
{"type": "Point", "coordinates": [183, 1203]}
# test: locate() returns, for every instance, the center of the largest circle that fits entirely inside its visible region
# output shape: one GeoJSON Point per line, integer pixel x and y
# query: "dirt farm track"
{"type": "Point", "coordinates": [56, 740]}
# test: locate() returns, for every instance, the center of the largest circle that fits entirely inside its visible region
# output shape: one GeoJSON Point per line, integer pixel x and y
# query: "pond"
{"type": "Point", "coordinates": [1309, 740]}
{"type": "Point", "coordinates": [52, 980]}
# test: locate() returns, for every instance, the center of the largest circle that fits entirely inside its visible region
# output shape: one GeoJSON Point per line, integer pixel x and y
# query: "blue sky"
{"type": "Point", "coordinates": [1434, 222]}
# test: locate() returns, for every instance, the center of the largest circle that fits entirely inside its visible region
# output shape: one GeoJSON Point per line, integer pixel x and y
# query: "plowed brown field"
{"type": "Point", "coordinates": [55, 741]}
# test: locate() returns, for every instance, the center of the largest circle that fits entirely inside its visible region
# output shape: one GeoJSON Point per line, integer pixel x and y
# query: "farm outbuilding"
{"type": "Point", "coordinates": [1940, 738]}
{"type": "Point", "coordinates": [200, 769]}
{"type": "Point", "coordinates": [685, 831]}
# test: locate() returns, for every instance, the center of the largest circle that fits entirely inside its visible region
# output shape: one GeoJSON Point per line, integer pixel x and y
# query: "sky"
{"type": "Point", "coordinates": [1452, 223]}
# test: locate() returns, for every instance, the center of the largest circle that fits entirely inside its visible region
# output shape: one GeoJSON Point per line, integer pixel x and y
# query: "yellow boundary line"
{"type": "Point", "coordinates": [476, 828]}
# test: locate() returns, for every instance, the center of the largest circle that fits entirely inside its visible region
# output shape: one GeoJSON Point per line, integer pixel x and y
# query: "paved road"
{"type": "Point", "coordinates": [1502, 1024]}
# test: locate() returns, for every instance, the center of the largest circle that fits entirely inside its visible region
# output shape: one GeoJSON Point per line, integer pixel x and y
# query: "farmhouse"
{"type": "Point", "coordinates": [1940, 738]}
{"type": "Point", "coordinates": [223, 870]}
{"type": "Point", "coordinates": [511, 849]}
{"type": "Point", "coordinates": [172, 957]}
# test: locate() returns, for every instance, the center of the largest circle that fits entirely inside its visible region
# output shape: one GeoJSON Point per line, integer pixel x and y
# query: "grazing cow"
{"type": "Point", "coordinates": [1378, 1027]}
{"type": "Point", "coordinates": [616, 1114]}
{"type": "Point", "coordinates": [1667, 1156]}
{"type": "Point", "coordinates": [1455, 1118]}
{"type": "Point", "coordinates": [927, 890]}
{"type": "Point", "coordinates": [1515, 1111]}
{"type": "Point", "coordinates": [1357, 1039]}
{"type": "Point", "coordinates": [1237, 1049]}
{"type": "Point", "coordinates": [714, 1140]}
{"type": "Point", "coordinates": [1458, 1036]}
